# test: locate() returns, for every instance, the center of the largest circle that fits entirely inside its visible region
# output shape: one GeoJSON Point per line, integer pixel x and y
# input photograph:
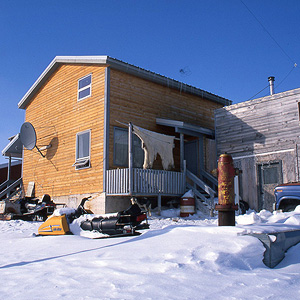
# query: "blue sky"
{"type": "Point", "coordinates": [221, 46]}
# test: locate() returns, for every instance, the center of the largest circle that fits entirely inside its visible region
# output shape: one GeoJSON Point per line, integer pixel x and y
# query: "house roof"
{"type": "Point", "coordinates": [14, 147]}
{"type": "Point", "coordinates": [121, 66]}
{"type": "Point", "coordinates": [183, 127]}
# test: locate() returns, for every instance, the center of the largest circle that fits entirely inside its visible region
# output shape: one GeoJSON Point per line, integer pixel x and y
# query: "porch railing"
{"type": "Point", "coordinates": [10, 188]}
{"type": "Point", "coordinates": [144, 182]}
{"type": "Point", "coordinates": [198, 186]}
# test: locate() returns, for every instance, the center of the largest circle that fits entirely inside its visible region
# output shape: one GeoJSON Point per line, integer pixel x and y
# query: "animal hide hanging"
{"type": "Point", "coordinates": [155, 143]}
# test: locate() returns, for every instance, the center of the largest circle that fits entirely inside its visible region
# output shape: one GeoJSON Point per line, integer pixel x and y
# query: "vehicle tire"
{"type": "Point", "coordinates": [244, 206]}
{"type": "Point", "coordinates": [289, 208]}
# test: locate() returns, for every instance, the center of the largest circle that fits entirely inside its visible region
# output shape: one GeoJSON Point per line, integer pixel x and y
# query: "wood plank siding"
{"type": "Point", "coordinates": [119, 93]}
{"type": "Point", "coordinates": [261, 132]}
{"type": "Point", "coordinates": [260, 125]}
{"type": "Point", "coordinates": [139, 101]}
{"type": "Point", "coordinates": [57, 116]}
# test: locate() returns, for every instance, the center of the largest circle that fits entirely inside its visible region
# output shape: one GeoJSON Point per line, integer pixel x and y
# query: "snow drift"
{"type": "Point", "coordinates": [190, 258]}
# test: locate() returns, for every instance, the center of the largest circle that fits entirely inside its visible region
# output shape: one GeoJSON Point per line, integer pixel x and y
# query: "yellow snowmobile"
{"type": "Point", "coordinates": [122, 223]}
{"type": "Point", "coordinates": [59, 225]}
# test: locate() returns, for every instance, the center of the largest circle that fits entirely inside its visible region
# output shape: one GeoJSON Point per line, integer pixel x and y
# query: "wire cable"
{"type": "Point", "coordinates": [283, 51]}
{"type": "Point", "coordinates": [294, 66]}
{"type": "Point", "coordinates": [266, 30]}
{"type": "Point", "coordinates": [258, 93]}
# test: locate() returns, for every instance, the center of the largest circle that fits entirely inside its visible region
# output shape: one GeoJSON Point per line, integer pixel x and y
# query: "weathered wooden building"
{"type": "Point", "coordinates": [11, 173]}
{"type": "Point", "coordinates": [81, 107]}
{"type": "Point", "coordinates": [15, 172]}
{"type": "Point", "coordinates": [262, 135]}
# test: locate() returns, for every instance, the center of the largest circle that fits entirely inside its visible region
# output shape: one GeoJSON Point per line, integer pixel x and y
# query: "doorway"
{"type": "Point", "coordinates": [269, 176]}
{"type": "Point", "coordinates": [191, 155]}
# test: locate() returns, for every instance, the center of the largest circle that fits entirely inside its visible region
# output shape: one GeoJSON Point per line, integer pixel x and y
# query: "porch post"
{"type": "Point", "coordinates": [106, 127]}
{"type": "Point", "coordinates": [130, 157]}
{"type": "Point", "coordinates": [184, 175]}
{"type": "Point", "coordinates": [201, 155]}
{"type": "Point", "coordinates": [181, 151]}
{"type": "Point", "coordinates": [8, 173]}
{"type": "Point", "coordinates": [9, 168]}
{"type": "Point", "coordinates": [159, 204]}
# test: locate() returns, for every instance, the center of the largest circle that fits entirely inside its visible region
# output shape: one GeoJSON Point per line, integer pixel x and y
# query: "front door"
{"type": "Point", "coordinates": [269, 176]}
{"type": "Point", "coordinates": [191, 156]}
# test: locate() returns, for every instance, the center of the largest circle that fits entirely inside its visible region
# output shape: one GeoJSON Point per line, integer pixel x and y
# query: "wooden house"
{"type": "Point", "coordinates": [262, 135]}
{"type": "Point", "coordinates": [80, 108]}
{"type": "Point", "coordinates": [11, 173]}
{"type": "Point", "coordinates": [15, 172]}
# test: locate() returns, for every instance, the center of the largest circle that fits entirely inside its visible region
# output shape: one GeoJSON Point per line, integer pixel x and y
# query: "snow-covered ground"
{"type": "Point", "coordinates": [177, 258]}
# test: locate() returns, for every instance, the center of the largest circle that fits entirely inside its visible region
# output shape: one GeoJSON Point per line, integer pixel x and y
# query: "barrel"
{"type": "Point", "coordinates": [187, 206]}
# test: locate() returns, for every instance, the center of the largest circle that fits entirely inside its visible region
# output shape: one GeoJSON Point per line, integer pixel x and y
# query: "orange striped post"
{"type": "Point", "coordinates": [226, 207]}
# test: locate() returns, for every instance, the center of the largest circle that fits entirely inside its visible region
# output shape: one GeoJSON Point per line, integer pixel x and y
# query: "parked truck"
{"type": "Point", "coordinates": [287, 196]}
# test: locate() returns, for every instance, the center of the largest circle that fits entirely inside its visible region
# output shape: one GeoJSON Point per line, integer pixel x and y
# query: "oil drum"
{"type": "Point", "coordinates": [187, 206]}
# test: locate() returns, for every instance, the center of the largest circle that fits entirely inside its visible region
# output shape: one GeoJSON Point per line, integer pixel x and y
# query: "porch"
{"type": "Point", "coordinates": [13, 184]}
{"type": "Point", "coordinates": [144, 182]}
{"type": "Point", "coordinates": [147, 182]}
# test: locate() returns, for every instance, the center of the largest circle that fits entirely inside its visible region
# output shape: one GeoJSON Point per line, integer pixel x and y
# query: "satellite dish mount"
{"type": "Point", "coordinates": [28, 138]}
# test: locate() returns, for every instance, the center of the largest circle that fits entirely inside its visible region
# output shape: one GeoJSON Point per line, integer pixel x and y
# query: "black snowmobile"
{"type": "Point", "coordinates": [28, 209]}
{"type": "Point", "coordinates": [124, 223]}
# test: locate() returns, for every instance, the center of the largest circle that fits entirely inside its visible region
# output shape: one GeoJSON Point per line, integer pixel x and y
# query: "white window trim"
{"type": "Point", "coordinates": [79, 162]}
{"type": "Point", "coordinates": [84, 88]}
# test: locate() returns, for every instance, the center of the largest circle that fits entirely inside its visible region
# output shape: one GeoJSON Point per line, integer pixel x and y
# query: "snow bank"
{"type": "Point", "coordinates": [177, 258]}
{"type": "Point", "coordinates": [188, 194]}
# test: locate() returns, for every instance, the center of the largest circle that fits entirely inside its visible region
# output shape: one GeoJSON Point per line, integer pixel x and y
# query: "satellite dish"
{"type": "Point", "coordinates": [28, 136]}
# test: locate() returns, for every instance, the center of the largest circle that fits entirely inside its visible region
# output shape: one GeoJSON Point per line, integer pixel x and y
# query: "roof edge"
{"type": "Point", "coordinates": [5, 151]}
{"type": "Point", "coordinates": [247, 103]}
{"type": "Point", "coordinates": [121, 66]}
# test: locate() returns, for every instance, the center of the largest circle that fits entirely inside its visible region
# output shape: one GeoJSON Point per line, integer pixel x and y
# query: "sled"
{"type": "Point", "coordinates": [124, 223]}
{"type": "Point", "coordinates": [106, 236]}
{"type": "Point", "coordinates": [56, 225]}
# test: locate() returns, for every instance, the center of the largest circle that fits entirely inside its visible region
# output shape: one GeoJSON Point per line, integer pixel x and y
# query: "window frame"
{"type": "Point", "coordinates": [114, 143]}
{"type": "Point", "coordinates": [84, 88]}
{"type": "Point", "coordinates": [85, 161]}
{"type": "Point", "coordinates": [125, 165]}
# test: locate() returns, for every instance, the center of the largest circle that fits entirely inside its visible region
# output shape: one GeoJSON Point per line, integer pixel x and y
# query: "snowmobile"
{"type": "Point", "coordinates": [27, 209]}
{"type": "Point", "coordinates": [123, 223]}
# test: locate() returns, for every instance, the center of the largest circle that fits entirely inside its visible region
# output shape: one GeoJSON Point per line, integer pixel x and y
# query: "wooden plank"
{"type": "Point", "coordinates": [141, 102]}
{"type": "Point", "coordinates": [52, 111]}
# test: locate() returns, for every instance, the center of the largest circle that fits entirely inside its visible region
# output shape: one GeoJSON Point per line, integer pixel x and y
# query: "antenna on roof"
{"type": "Point", "coordinates": [28, 138]}
{"type": "Point", "coordinates": [185, 71]}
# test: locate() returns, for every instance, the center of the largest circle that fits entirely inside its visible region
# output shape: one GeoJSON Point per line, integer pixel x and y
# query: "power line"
{"type": "Point", "coordinates": [262, 25]}
{"type": "Point", "coordinates": [294, 66]}
{"type": "Point", "coordinates": [258, 92]}
{"type": "Point", "coordinates": [283, 51]}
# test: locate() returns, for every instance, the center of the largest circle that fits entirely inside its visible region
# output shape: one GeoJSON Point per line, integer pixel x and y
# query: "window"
{"type": "Point", "coordinates": [85, 87]}
{"type": "Point", "coordinates": [83, 150]}
{"type": "Point", "coordinates": [121, 149]}
{"type": "Point", "coordinates": [270, 173]}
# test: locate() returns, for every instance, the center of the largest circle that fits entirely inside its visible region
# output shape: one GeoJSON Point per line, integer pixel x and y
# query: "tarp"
{"type": "Point", "coordinates": [155, 143]}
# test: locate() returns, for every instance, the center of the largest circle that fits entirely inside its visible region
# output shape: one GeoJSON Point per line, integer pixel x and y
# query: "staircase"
{"type": "Point", "coordinates": [204, 194]}
{"type": "Point", "coordinates": [10, 188]}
